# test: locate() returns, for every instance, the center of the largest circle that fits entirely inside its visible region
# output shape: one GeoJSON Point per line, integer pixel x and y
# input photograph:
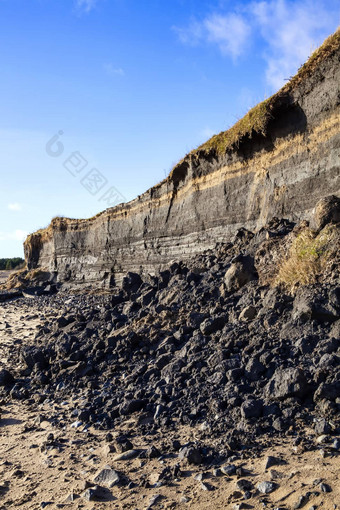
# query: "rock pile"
{"type": "Point", "coordinates": [208, 342]}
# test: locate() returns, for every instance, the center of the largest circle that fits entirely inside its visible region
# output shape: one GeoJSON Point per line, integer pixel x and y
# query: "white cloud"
{"type": "Point", "coordinates": [230, 33]}
{"type": "Point", "coordinates": [113, 71]}
{"type": "Point", "coordinates": [86, 5]}
{"type": "Point", "coordinates": [289, 31]}
{"type": "Point", "coordinates": [14, 206]}
{"type": "Point", "coordinates": [16, 235]}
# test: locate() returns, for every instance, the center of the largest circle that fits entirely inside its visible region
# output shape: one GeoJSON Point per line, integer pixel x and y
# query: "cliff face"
{"type": "Point", "coordinates": [277, 161]}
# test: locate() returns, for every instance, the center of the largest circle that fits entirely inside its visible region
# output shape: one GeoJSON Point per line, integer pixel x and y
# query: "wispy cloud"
{"type": "Point", "coordinates": [85, 5]}
{"type": "Point", "coordinates": [14, 206]}
{"type": "Point", "coordinates": [113, 71]}
{"type": "Point", "coordinates": [289, 31]}
{"type": "Point", "coordinates": [192, 34]}
{"type": "Point", "coordinates": [16, 235]}
{"type": "Point", "coordinates": [229, 32]}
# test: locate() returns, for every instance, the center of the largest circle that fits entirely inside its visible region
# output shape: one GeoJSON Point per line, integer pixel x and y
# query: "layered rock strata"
{"type": "Point", "coordinates": [279, 165]}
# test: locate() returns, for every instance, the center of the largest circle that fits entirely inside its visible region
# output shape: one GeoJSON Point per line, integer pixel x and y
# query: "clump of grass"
{"type": "Point", "coordinates": [256, 120]}
{"type": "Point", "coordinates": [307, 258]}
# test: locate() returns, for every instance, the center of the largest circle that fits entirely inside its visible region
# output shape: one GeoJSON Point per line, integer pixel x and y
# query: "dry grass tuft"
{"type": "Point", "coordinates": [255, 121]}
{"type": "Point", "coordinates": [307, 258]}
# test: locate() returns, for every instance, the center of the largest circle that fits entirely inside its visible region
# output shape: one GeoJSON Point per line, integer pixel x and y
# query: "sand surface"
{"type": "Point", "coordinates": [38, 470]}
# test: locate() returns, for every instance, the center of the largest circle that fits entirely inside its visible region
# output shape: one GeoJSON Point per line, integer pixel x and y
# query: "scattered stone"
{"type": "Point", "coordinates": [228, 469]}
{"type": "Point", "coordinates": [6, 377]}
{"type": "Point", "coordinates": [322, 427]}
{"type": "Point", "coordinates": [152, 453]}
{"type": "Point", "coordinates": [92, 493]}
{"type": "Point", "coordinates": [71, 497]}
{"type": "Point", "coordinates": [327, 210]}
{"type": "Point", "coordinates": [272, 461]}
{"type": "Point", "coordinates": [322, 439]}
{"type": "Point", "coordinates": [241, 272]}
{"type": "Point", "coordinates": [128, 455]}
{"type": "Point", "coordinates": [108, 448]}
{"type": "Point", "coordinates": [199, 477]}
{"type": "Point", "coordinates": [123, 444]}
{"type": "Point", "coordinates": [212, 325]}
{"type": "Point", "coordinates": [206, 486]}
{"type": "Point", "coordinates": [336, 444]}
{"type": "Point", "coordinates": [244, 485]}
{"type": "Point", "coordinates": [191, 455]}
{"type": "Point", "coordinates": [325, 487]}
{"type": "Point", "coordinates": [266, 487]}
{"type": "Point", "coordinates": [184, 499]}
{"type": "Point", "coordinates": [108, 477]}
{"type": "Point", "coordinates": [154, 500]}
{"type": "Point", "coordinates": [302, 501]}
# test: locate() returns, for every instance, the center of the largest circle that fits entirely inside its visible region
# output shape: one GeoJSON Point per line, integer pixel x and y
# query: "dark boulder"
{"type": "Point", "coordinates": [252, 409]}
{"type": "Point", "coordinates": [241, 271]}
{"type": "Point", "coordinates": [327, 210]}
{"type": "Point", "coordinates": [6, 378]}
{"type": "Point", "coordinates": [286, 383]}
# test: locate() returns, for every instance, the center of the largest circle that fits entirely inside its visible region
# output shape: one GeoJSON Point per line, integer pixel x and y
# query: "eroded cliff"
{"type": "Point", "coordinates": [279, 160]}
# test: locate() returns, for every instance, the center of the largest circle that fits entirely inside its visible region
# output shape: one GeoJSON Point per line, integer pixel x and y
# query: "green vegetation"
{"type": "Point", "coordinates": [8, 264]}
{"type": "Point", "coordinates": [307, 258]}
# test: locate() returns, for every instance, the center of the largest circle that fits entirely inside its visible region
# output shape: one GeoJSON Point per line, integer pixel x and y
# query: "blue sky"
{"type": "Point", "coordinates": [132, 86]}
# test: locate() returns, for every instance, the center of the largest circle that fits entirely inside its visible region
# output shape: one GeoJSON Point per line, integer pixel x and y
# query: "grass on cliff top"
{"type": "Point", "coordinates": [307, 258]}
{"type": "Point", "coordinates": [256, 120]}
